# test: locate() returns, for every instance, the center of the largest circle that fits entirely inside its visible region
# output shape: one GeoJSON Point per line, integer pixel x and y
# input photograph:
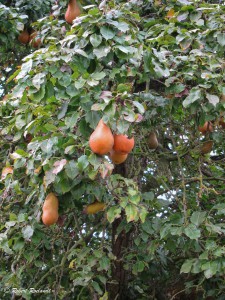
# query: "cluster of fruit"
{"type": "Point", "coordinates": [117, 146]}
{"type": "Point", "coordinates": [29, 35]}
{"type": "Point", "coordinates": [25, 37]}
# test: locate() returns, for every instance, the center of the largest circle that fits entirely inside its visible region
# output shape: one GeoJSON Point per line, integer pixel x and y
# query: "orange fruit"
{"type": "Point", "coordinates": [122, 143]}
{"type": "Point", "coordinates": [207, 127]}
{"type": "Point", "coordinates": [33, 41]}
{"type": "Point", "coordinates": [24, 37]}
{"type": "Point", "coordinates": [101, 140]}
{"type": "Point", "coordinates": [72, 11]}
{"type": "Point", "coordinates": [50, 210]}
{"type": "Point", "coordinates": [117, 157]}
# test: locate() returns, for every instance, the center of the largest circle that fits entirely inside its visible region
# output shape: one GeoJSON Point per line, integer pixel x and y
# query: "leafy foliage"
{"type": "Point", "coordinates": [142, 66]}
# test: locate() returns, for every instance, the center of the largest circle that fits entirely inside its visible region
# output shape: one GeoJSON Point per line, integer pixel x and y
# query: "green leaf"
{"type": "Point", "coordinates": [210, 268]}
{"type": "Point", "coordinates": [18, 244]}
{"type": "Point", "coordinates": [192, 232]}
{"type": "Point", "coordinates": [143, 214]}
{"type": "Point", "coordinates": [213, 99]}
{"type": "Point", "coordinates": [107, 32]}
{"type": "Point", "coordinates": [48, 178]}
{"type": "Point", "coordinates": [113, 213]}
{"type": "Point", "coordinates": [25, 68]}
{"type": "Point", "coordinates": [38, 80]}
{"type": "Point", "coordinates": [71, 169]}
{"type": "Point", "coordinates": [101, 52]}
{"type": "Point", "coordinates": [122, 26]}
{"type": "Point", "coordinates": [104, 263]}
{"type": "Point", "coordinates": [48, 144]}
{"type": "Point", "coordinates": [71, 121]}
{"type": "Point", "coordinates": [50, 127]}
{"type": "Point", "coordinates": [148, 196]}
{"type": "Point", "coordinates": [97, 288]}
{"type": "Point", "coordinates": [27, 232]}
{"type": "Point", "coordinates": [135, 199]}
{"type": "Point", "coordinates": [187, 265]}
{"type": "Point", "coordinates": [139, 106]}
{"type": "Point", "coordinates": [124, 87]}
{"type": "Point", "coordinates": [175, 230]}
{"type": "Point", "coordinates": [131, 212]}
{"type": "Point", "coordinates": [63, 186]}
{"type": "Point", "coordinates": [39, 95]}
{"type": "Point", "coordinates": [80, 83]}
{"type": "Point", "coordinates": [82, 163]}
{"type": "Point", "coordinates": [98, 75]}
{"type": "Point", "coordinates": [95, 160]}
{"type": "Point", "coordinates": [221, 38]}
{"type": "Point", "coordinates": [20, 122]}
{"type": "Point", "coordinates": [198, 217]}
{"type": "Point", "coordinates": [95, 40]}
{"type": "Point", "coordinates": [194, 95]}
{"type": "Point", "coordinates": [161, 71]}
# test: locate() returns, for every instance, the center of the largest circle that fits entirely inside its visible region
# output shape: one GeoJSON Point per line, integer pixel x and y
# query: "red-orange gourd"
{"type": "Point", "coordinates": [73, 11]}
{"type": "Point", "coordinates": [35, 42]}
{"type": "Point", "coordinates": [207, 127]}
{"type": "Point", "coordinates": [117, 158]}
{"type": "Point", "coordinates": [101, 140]}
{"type": "Point", "coordinates": [50, 210]}
{"type": "Point", "coordinates": [123, 144]}
{"type": "Point", "coordinates": [24, 37]}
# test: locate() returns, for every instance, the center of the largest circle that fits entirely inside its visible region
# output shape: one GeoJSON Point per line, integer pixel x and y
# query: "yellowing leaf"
{"type": "Point", "coordinates": [37, 170]}
{"type": "Point", "coordinates": [6, 171]}
{"type": "Point", "coordinates": [170, 13]}
{"type": "Point", "coordinates": [72, 264]}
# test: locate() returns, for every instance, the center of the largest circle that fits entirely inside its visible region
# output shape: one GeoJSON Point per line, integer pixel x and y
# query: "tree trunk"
{"type": "Point", "coordinates": [118, 286]}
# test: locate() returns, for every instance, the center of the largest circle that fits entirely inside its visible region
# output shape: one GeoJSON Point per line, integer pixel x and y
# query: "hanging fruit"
{"type": "Point", "coordinates": [35, 42]}
{"type": "Point", "coordinates": [152, 140]}
{"type": "Point", "coordinates": [122, 144]}
{"type": "Point", "coordinates": [24, 37]}
{"type": "Point", "coordinates": [50, 210]}
{"type": "Point", "coordinates": [117, 158]}
{"type": "Point", "coordinates": [101, 140]}
{"type": "Point", "coordinates": [207, 127]}
{"type": "Point", "coordinates": [206, 147]}
{"type": "Point", "coordinates": [73, 11]}
{"type": "Point", "coordinates": [94, 207]}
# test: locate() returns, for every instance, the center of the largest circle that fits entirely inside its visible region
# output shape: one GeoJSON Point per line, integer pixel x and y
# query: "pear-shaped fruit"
{"type": "Point", "coordinates": [101, 140]}
{"type": "Point", "coordinates": [117, 158]}
{"type": "Point", "coordinates": [35, 42]}
{"type": "Point", "coordinates": [73, 11]}
{"type": "Point", "coordinates": [94, 207]}
{"type": "Point", "coordinates": [24, 37]}
{"type": "Point", "coordinates": [50, 210]}
{"type": "Point", "coordinates": [207, 127]}
{"type": "Point", "coordinates": [152, 140]}
{"type": "Point", "coordinates": [122, 144]}
{"type": "Point", "coordinates": [206, 147]}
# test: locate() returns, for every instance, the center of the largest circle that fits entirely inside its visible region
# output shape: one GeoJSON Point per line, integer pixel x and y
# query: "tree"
{"type": "Point", "coordinates": [147, 68]}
